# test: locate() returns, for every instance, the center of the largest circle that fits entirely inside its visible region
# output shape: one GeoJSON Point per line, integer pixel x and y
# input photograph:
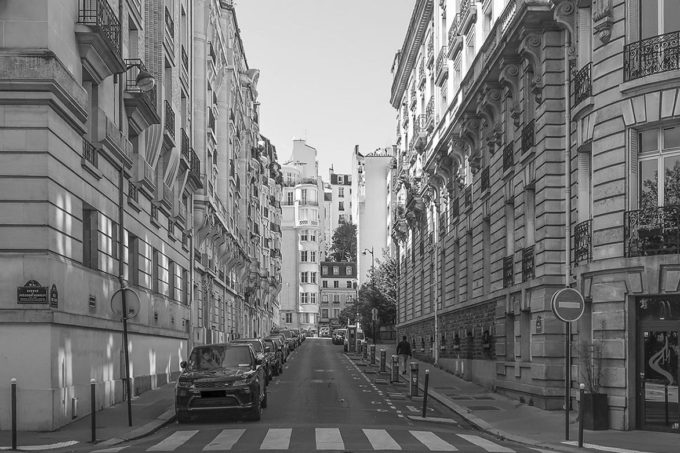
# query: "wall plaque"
{"type": "Point", "coordinates": [32, 293]}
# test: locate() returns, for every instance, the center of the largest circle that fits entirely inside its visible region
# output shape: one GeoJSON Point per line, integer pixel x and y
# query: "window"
{"type": "Point", "coordinates": [659, 154]}
{"type": "Point", "coordinates": [341, 191]}
{"type": "Point", "coordinates": [530, 213]}
{"type": "Point", "coordinates": [348, 270]}
{"type": "Point", "coordinates": [525, 335]}
{"type": "Point", "coordinates": [312, 236]}
{"type": "Point", "coordinates": [312, 298]}
{"type": "Point", "coordinates": [324, 270]}
{"type": "Point", "coordinates": [341, 206]}
{"type": "Point", "coordinates": [658, 17]}
{"type": "Point", "coordinates": [185, 286]}
{"type": "Point", "coordinates": [303, 196]}
{"type": "Point", "coordinates": [349, 284]}
{"type": "Point", "coordinates": [312, 257]}
{"type": "Point", "coordinates": [289, 318]}
{"type": "Point", "coordinates": [312, 277]}
{"type": "Point", "coordinates": [304, 277]}
{"type": "Point", "coordinates": [90, 237]}
{"type": "Point", "coordinates": [304, 298]}
{"type": "Point", "coordinates": [336, 284]}
{"type": "Point", "coordinates": [510, 336]}
{"type": "Point", "coordinates": [341, 218]}
{"type": "Point", "coordinates": [304, 235]}
{"type": "Point", "coordinates": [324, 312]}
{"type": "Point", "coordinates": [289, 199]}
{"type": "Point", "coordinates": [336, 298]}
{"type": "Point", "coordinates": [155, 276]}
{"type": "Point", "coordinates": [324, 298]}
{"type": "Point", "coordinates": [132, 259]}
{"type": "Point", "coordinates": [324, 284]}
{"type": "Point", "coordinates": [336, 270]}
{"type": "Point", "coordinates": [336, 313]}
{"type": "Point", "coordinates": [303, 256]}
{"type": "Point", "coordinates": [349, 298]}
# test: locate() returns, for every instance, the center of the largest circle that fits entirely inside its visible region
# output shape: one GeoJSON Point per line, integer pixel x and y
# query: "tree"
{"type": "Point", "coordinates": [344, 247]}
{"type": "Point", "coordinates": [380, 291]}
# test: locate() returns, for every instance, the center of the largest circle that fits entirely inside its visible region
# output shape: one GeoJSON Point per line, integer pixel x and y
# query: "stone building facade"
{"type": "Point", "coordinates": [105, 139]}
{"type": "Point", "coordinates": [338, 291]}
{"type": "Point", "coordinates": [531, 137]}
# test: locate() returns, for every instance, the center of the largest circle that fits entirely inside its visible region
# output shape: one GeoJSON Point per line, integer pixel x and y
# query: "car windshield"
{"type": "Point", "coordinates": [205, 358]}
{"type": "Point", "coordinates": [271, 344]}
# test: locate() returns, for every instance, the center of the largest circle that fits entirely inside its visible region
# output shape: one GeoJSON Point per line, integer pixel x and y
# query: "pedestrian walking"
{"type": "Point", "coordinates": [404, 352]}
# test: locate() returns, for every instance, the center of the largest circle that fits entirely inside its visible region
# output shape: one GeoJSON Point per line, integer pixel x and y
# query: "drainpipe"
{"type": "Point", "coordinates": [567, 162]}
{"type": "Point", "coordinates": [435, 344]}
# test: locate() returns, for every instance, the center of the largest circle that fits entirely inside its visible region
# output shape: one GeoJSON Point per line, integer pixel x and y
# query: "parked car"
{"type": "Point", "coordinates": [284, 344]}
{"type": "Point", "coordinates": [296, 336]}
{"type": "Point", "coordinates": [324, 332]}
{"type": "Point", "coordinates": [260, 353]}
{"type": "Point", "coordinates": [221, 377]}
{"type": "Point", "coordinates": [339, 336]}
{"type": "Point", "coordinates": [276, 354]}
{"type": "Point", "coordinates": [290, 340]}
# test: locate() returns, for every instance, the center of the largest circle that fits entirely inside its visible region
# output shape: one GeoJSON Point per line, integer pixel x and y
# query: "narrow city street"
{"type": "Point", "coordinates": [325, 401]}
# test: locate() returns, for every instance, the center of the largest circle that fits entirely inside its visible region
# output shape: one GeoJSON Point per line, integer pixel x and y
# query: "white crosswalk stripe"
{"type": "Point", "coordinates": [225, 440]}
{"type": "Point", "coordinates": [381, 440]}
{"type": "Point", "coordinates": [329, 439]}
{"type": "Point", "coordinates": [173, 441]}
{"type": "Point", "coordinates": [277, 439]}
{"type": "Point", "coordinates": [433, 441]}
{"type": "Point", "coordinates": [111, 450]}
{"type": "Point", "coordinates": [487, 445]}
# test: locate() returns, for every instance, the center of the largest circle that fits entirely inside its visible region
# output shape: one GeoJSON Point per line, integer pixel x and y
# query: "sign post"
{"type": "Point", "coordinates": [127, 308]}
{"type": "Point", "coordinates": [567, 305]}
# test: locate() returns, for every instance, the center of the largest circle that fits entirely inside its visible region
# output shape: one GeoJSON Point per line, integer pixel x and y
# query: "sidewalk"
{"type": "Point", "coordinates": [512, 420]}
{"type": "Point", "coordinates": [150, 411]}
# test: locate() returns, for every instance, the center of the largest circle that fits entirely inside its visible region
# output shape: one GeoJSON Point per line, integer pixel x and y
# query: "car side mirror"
{"type": "Point", "coordinates": [183, 364]}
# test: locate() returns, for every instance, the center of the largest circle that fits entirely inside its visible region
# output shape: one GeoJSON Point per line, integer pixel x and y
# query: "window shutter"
{"type": "Point", "coordinates": [634, 181]}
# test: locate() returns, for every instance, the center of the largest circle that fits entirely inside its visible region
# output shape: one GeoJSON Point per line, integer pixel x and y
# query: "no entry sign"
{"type": "Point", "coordinates": [568, 304]}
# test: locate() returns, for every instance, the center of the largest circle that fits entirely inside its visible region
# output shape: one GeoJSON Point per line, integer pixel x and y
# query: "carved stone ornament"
{"type": "Point", "coordinates": [602, 19]}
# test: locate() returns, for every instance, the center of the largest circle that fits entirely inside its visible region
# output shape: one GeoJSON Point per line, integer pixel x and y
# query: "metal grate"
{"type": "Point", "coordinates": [508, 157]}
{"type": "Point", "coordinates": [651, 56]}
{"type": "Point", "coordinates": [90, 154]}
{"type": "Point", "coordinates": [582, 241]}
{"type": "Point", "coordinates": [169, 119]}
{"type": "Point", "coordinates": [528, 271]}
{"type": "Point", "coordinates": [508, 271]}
{"type": "Point", "coordinates": [582, 86]}
{"type": "Point", "coordinates": [528, 140]}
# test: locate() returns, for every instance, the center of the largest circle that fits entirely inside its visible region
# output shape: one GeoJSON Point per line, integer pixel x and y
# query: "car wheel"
{"type": "Point", "coordinates": [183, 417]}
{"type": "Point", "coordinates": [264, 400]}
{"type": "Point", "coordinates": [256, 411]}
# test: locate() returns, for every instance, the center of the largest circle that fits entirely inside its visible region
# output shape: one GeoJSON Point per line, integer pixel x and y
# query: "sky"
{"type": "Point", "coordinates": [325, 72]}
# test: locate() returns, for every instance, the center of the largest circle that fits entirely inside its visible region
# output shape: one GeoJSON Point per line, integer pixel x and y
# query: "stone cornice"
{"type": "Point", "coordinates": [422, 14]}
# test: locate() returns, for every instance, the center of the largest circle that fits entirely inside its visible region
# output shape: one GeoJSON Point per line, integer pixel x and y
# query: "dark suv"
{"type": "Point", "coordinates": [221, 377]}
{"type": "Point", "coordinates": [260, 353]}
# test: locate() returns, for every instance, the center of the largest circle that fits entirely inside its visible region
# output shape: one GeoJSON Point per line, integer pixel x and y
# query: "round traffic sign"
{"type": "Point", "coordinates": [568, 304]}
{"type": "Point", "coordinates": [131, 302]}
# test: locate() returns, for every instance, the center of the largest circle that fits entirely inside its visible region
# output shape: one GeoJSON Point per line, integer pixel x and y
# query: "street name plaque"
{"type": "Point", "coordinates": [32, 293]}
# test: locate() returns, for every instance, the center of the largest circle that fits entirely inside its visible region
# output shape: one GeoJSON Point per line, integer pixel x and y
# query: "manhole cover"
{"type": "Point", "coordinates": [484, 408]}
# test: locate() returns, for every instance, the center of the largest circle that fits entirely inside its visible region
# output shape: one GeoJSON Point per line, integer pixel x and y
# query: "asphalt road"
{"type": "Point", "coordinates": [326, 400]}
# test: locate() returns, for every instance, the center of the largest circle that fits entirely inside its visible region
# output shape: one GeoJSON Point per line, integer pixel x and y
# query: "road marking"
{"type": "Point", "coordinates": [381, 440]}
{"type": "Point", "coordinates": [432, 441]}
{"type": "Point", "coordinates": [109, 450]}
{"type": "Point", "coordinates": [225, 439]}
{"type": "Point", "coordinates": [67, 443]}
{"type": "Point", "coordinates": [173, 441]}
{"type": "Point", "coordinates": [412, 408]}
{"type": "Point", "coordinates": [603, 448]}
{"type": "Point", "coordinates": [277, 439]}
{"type": "Point", "coordinates": [486, 444]}
{"type": "Point", "coordinates": [329, 439]}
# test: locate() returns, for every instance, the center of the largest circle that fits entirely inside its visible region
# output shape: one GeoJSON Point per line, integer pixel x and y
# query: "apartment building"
{"type": "Point", "coordinates": [338, 291]}
{"type": "Point", "coordinates": [341, 200]}
{"type": "Point", "coordinates": [532, 136]}
{"type": "Point", "coordinates": [302, 228]}
{"type": "Point", "coordinates": [110, 147]}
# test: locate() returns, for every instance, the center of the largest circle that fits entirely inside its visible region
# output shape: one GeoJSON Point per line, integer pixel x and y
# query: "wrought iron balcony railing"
{"type": "Point", "coordinates": [652, 231]}
{"type": "Point", "coordinates": [528, 134]}
{"type": "Point", "coordinates": [186, 148]}
{"type": "Point", "coordinates": [528, 270]}
{"type": "Point", "coordinates": [430, 50]}
{"type": "Point", "coordinates": [454, 36]}
{"type": "Point", "coordinates": [429, 114]}
{"type": "Point", "coordinates": [169, 23]}
{"type": "Point", "coordinates": [582, 85]}
{"type": "Point", "coordinates": [154, 212]}
{"type": "Point", "coordinates": [508, 157]}
{"type": "Point", "coordinates": [485, 179]}
{"type": "Point", "coordinates": [169, 119]}
{"type": "Point", "coordinates": [133, 192]}
{"type": "Point", "coordinates": [508, 271]}
{"type": "Point", "coordinates": [99, 15]}
{"type": "Point", "coordinates": [211, 120]}
{"type": "Point", "coordinates": [651, 56]}
{"type": "Point", "coordinates": [195, 170]}
{"type": "Point", "coordinates": [90, 153]}
{"type": "Point", "coordinates": [582, 241]}
{"type": "Point", "coordinates": [442, 63]}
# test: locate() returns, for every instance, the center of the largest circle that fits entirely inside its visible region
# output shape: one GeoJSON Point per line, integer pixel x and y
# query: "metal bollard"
{"type": "Point", "coordinates": [93, 409]}
{"type": "Point", "coordinates": [580, 415]}
{"type": "Point", "coordinates": [14, 413]}
{"type": "Point", "coordinates": [372, 354]}
{"type": "Point", "coordinates": [414, 379]}
{"type": "Point", "coordinates": [427, 381]}
{"type": "Point", "coordinates": [383, 358]}
{"type": "Point", "coordinates": [364, 350]}
{"type": "Point", "coordinates": [395, 369]}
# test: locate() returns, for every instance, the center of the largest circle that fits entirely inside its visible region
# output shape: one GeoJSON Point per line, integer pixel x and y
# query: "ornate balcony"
{"type": "Point", "coordinates": [528, 271]}
{"type": "Point", "coordinates": [429, 114]}
{"type": "Point", "coordinates": [98, 36]}
{"type": "Point", "coordinates": [508, 271]}
{"type": "Point", "coordinates": [582, 85]}
{"type": "Point", "coordinates": [185, 146]}
{"type": "Point", "coordinates": [651, 56]}
{"type": "Point", "coordinates": [169, 119]}
{"type": "Point", "coordinates": [468, 14]}
{"type": "Point", "coordinates": [455, 38]}
{"type": "Point", "coordinates": [582, 241]}
{"type": "Point", "coordinates": [652, 231]}
{"type": "Point", "coordinates": [90, 154]}
{"type": "Point", "coordinates": [508, 157]}
{"type": "Point", "coordinates": [430, 51]}
{"type": "Point", "coordinates": [421, 75]}
{"type": "Point", "coordinates": [528, 139]}
{"type": "Point", "coordinates": [414, 99]}
{"type": "Point", "coordinates": [442, 64]}
{"type": "Point", "coordinates": [141, 106]}
{"type": "Point", "coordinates": [484, 179]}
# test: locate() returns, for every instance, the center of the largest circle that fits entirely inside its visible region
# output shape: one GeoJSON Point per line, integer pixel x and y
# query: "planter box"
{"type": "Point", "coordinates": [595, 411]}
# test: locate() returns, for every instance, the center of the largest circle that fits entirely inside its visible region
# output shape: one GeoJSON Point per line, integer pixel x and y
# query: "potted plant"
{"type": "Point", "coordinates": [595, 405]}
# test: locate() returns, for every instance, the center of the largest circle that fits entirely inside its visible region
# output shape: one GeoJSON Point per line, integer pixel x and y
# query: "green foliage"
{"type": "Point", "coordinates": [344, 247]}
{"type": "Point", "coordinates": [380, 291]}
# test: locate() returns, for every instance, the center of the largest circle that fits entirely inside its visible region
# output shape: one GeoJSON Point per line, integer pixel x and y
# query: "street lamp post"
{"type": "Point", "coordinates": [372, 282]}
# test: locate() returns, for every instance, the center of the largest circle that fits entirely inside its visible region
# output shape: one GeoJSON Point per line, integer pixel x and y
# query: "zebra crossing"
{"type": "Point", "coordinates": [319, 439]}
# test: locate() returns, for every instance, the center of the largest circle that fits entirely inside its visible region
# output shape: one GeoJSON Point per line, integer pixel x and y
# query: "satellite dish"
{"type": "Point", "coordinates": [131, 302]}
